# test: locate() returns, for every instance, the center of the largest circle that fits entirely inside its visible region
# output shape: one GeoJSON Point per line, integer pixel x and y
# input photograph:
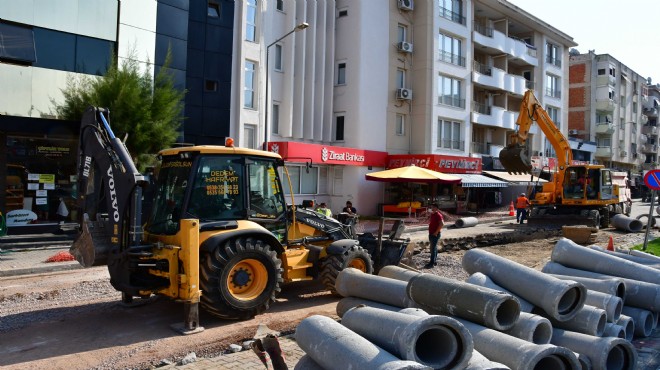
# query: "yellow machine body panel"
{"type": "Point", "coordinates": [295, 264]}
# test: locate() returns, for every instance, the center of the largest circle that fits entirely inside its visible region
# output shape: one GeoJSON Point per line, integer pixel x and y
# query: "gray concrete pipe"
{"type": "Point", "coordinates": [638, 293]}
{"type": "Point", "coordinates": [628, 325]}
{"type": "Point", "coordinates": [398, 273]}
{"type": "Point", "coordinates": [483, 280]}
{"type": "Point", "coordinates": [576, 256]}
{"type": "Point", "coordinates": [629, 257]}
{"type": "Point", "coordinates": [643, 320]}
{"type": "Point", "coordinates": [440, 342]}
{"type": "Point", "coordinates": [532, 328]}
{"type": "Point", "coordinates": [626, 223]}
{"type": "Point", "coordinates": [609, 353]}
{"type": "Point", "coordinates": [414, 311]}
{"type": "Point", "coordinates": [611, 304]}
{"type": "Point", "coordinates": [655, 319]}
{"type": "Point", "coordinates": [589, 320]}
{"type": "Point", "coordinates": [561, 299]}
{"type": "Point", "coordinates": [347, 303]}
{"type": "Point", "coordinates": [307, 363]}
{"type": "Point", "coordinates": [480, 362]}
{"type": "Point", "coordinates": [355, 283]}
{"type": "Point", "coordinates": [613, 286]}
{"type": "Point", "coordinates": [492, 308]}
{"type": "Point", "coordinates": [641, 254]}
{"type": "Point", "coordinates": [519, 354]}
{"type": "Point", "coordinates": [614, 330]}
{"type": "Point", "coordinates": [334, 346]}
{"type": "Point", "coordinates": [584, 360]}
{"type": "Point", "coordinates": [466, 222]}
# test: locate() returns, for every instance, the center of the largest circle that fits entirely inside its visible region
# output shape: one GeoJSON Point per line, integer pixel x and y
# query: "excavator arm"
{"type": "Point", "coordinates": [514, 157]}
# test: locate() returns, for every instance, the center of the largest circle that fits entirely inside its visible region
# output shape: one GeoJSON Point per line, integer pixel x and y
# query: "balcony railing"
{"type": "Point", "coordinates": [452, 58]}
{"type": "Point", "coordinates": [529, 84]}
{"type": "Point", "coordinates": [450, 100]}
{"type": "Point", "coordinates": [452, 16]}
{"type": "Point", "coordinates": [649, 148]}
{"type": "Point", "coordinates": [553, 92]}
{"type": "Point", "coordinates": [480, 28]}
{"type": "Point", "coordinates": [554, 61]}
{"type": "Point", "coordinates": [481, 108]}
{"type": "Point", "coordinates": [649, 130]}
{"type": "Point", "coordinates": [452, 144]}
{"type": "Point", "coordinates": [483, 68]}
{"type": "Point", "coordinates": [480, 148]}
{"type": "Point", "coordinates": [531, 51]}
{"type": "Point", "coordinates": [603, 151]}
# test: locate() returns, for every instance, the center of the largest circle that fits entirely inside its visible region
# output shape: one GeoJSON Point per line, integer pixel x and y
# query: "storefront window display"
{"type": "Point", "coordinates": [40, 179]}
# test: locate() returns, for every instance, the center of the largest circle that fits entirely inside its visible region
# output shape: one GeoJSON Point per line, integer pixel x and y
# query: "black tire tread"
{"type": "Point", "coordinates": [332, 265]}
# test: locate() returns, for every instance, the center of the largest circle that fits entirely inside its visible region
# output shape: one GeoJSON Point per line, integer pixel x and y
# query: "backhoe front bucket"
{"type": "Point", "coordinates": [514, 159]}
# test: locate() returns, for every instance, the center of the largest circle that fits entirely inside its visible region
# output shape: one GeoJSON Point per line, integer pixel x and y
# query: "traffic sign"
{"type": "Point", "coordinates": [652, 179]}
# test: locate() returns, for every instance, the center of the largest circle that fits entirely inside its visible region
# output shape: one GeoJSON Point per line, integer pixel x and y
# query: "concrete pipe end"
{"type": "Point", "coordinates": [620, 355]}
{"type": "Point", "coordinates": [600, 326]}
{"type": "Point", "coordinates": [620, 289]}
{"type": "Point", "coordinates": [646, 327]}
{"type": "Point", "coordinates": [569, 301]}
{"type": "Point", "coordinates": [615, 306]}
{"type": "Point", "coordinates": [506, 313]}
{"type": "Point", "coordinates": [440, 342]}
{"type": "Point", "coordinates": [551, 357]}
{"type": "Point", "coordinates": [542, 334]}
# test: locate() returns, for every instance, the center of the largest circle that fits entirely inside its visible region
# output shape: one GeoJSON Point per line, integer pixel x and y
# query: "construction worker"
{"type": "Point", "coordinates": [324, 210]}
{"type": "Point", "coordinates": [521, 208]}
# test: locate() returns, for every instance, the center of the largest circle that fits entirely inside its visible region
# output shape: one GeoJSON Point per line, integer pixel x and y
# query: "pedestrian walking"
{"type": "Point", "coordinates": [521, 208]}
{"type": "Point", "coordinates": [436, 222]}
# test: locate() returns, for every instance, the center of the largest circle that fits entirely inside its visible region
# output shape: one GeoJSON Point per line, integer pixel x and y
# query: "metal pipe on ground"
{"type": "Point", "coordinates": [629, 257]}
{"type": "Point", "coordinates": [532, 328]}
{"type": "Point", "coordinates": [440, 342]}
{"type": "Point", "coordinates": [347, 303]}
{"type": "Point", "coordinates": [334, 346]}
{"type": "Point", "coordinates": [576, 256]}
{"type": "Point", "coordinates": [626, 223]}
{"type": "Point", "coordinates": [466, 222]}
{"type": "Point", "coordinates": [611, 304]}
{"type": "Point", "coordinates": [638, 293]}
{"type": "Point", "coordinates": [589, 320]}
{"type": "Point", "coordinates": [483, 280]}
{"type": "Point", "coordinates": [480, 362]}
{"type": "Point", "coordinates": [604, 353]}
{"type": "Point", "coordinates": [628, 325]}
{"type": "Point", "coordinates": [354, 283]}
{"type": "Point", "coordinates": [398, 273]}
{"type": "Point", "coordinates": [519, 354]}
{"type": "Point", "coordinates": [643, 320]}
{"type": "Point", "coordinates": [613, 286]}
{"type": "Point", "coordinates": [492, 308]}
{"type": "Point", "coordinates": [614, 330]}
{"type": "Point", "coordinates": [561, 299]}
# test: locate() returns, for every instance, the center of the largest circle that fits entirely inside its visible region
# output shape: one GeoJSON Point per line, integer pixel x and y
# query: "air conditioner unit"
{"type": "Point", "coordinates": [404, 94]}
{"type": "Point", "coordinates": [405, 4]}
{"type": "Point", "coordinates": [623, 153]}
{"type": "Point", "coordinates": [572, 132]}
{"type": "Point", "coordinates": [405, 47]}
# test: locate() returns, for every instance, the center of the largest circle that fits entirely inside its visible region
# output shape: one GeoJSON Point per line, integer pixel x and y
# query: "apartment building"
{"type": "Point", "coordinates": [611, 114]}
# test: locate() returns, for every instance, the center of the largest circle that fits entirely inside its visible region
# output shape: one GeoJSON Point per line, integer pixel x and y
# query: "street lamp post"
{"type": "Point", "coordinates": [299, 27]}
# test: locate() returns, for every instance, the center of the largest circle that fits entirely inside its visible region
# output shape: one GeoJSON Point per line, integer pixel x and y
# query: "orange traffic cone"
{"type": "Point", "coordinates": [610, 244]}
{"type": "Point", "coordinates": [512, 211]}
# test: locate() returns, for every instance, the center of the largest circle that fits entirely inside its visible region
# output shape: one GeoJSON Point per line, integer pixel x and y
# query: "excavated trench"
{"type": "Point", "coordinates": [489, 239]}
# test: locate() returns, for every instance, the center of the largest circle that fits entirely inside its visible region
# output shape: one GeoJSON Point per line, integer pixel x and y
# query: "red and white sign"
{"type": "Point", "coordinates": [539, 162]}
{"type": "Point", "coordinates": [303, 152]}
{"type": "Point", "coordinates": [436, 162]}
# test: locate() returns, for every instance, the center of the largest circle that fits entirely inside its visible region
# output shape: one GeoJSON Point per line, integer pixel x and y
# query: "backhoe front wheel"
{"type": "Point", "coordinates": [240, 278]}
{"type": "Point", "coordinates": [354, 256]}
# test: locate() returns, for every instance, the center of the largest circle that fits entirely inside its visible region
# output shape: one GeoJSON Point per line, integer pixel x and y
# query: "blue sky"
{"type": "Point", "coordinates": [627, 30]}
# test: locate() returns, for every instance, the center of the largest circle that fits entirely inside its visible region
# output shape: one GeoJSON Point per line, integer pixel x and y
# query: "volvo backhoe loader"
{"type": "Point", "coordinates": [574, 194]}
{"type": "Point", "coordinates": [219, 232]}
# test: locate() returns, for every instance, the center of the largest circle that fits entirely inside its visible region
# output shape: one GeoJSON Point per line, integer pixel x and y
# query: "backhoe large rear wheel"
{"type": "Point", "coordinates": [240, 278]}
{"type": "Point", "coordinates": [354, 256]}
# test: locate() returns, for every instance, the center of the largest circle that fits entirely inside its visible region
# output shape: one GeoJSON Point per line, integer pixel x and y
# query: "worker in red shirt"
{"type": "Point", "coordinates": [521, 208]}
{"type": "Point", "coordinates": [436, 222]}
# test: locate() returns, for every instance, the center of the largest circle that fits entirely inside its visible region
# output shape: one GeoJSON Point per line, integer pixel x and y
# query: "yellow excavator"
{"type": "Point", "coordinates": [574, 194]}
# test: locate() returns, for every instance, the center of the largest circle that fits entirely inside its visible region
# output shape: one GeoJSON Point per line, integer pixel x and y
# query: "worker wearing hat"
{"type": "Point", "coordinates": [324, 210]}
{"type": "Point", "coordinates": [521, 208]}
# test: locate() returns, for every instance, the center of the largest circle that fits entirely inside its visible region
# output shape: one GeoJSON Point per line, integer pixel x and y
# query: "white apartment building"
{"type": "Point", "coordinates": [373, 84]}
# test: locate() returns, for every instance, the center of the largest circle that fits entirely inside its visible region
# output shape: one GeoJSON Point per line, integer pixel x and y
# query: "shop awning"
{"type": "Point", "coordinates": [515, 179]}
{"type": "Point", "coordinates": [479, 181]}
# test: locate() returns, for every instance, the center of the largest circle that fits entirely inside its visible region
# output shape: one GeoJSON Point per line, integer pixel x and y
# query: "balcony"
{"type": "Point", "coordinates": [452, 58]}
{"type": "Point", "coordinates": [451, 101]}
{"type": "Point", "coordinates": [493, 116]}
{"type": "Point", "coordinates": [651, 112]}
{"type": "Point", "coordinates": [480, 148]}
{"type": "Point", "coordinates": [649, 130]}
{"type": "Point", "coordinates": [530, 85]}
{"type": "Point", "coordinates": [603, 151]}
{"type": "Point", "coordinates": [605, 128]}
{"type": "Point", "coordinates": [606, 105]}
{"type": "Point", "coordinates": [493, 39]}
{"type": "Point", "coordinates": [649, 148]}
{"type": "Point", "coordinates": [497, 78]}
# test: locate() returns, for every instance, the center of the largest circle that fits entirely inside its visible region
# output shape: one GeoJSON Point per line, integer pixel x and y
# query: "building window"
{"type": "Point", "coordinates": [451, 50]}
{"type": "Point", "coordinates": [278, 57]}
{"type": "Point", "coordinates": [250, 77]}
{"type": "Point", "coordinates": [251, 21]}
{"type": "Point", "coordinates": [303, 180]}
{"type": "Point", "coordinates": [342, 13]}
{"type": "Point", "coordinates": [622, 124]}
{"type": "Point", "coordinates": [210, 85]}
{"type": "Point", "coordinates": [400, 125]}
{"type": "Point", "coordinates": [623, 101]}
{"type": "Point", "coordinates": [250, 133]}
{"type": "Point", "coordinates": [68, 52]}
{"type": "Point", "coordinates": [605, 141]}
{"type": "Point", "coordinates": [449, 92]}
{"type": "Point", "coordinates": [449, 135]}
{"type": "Point", "coordinates": [213, 9]}
{"type": "Point", "coordinates": [280, 5]}
{"type": "Point", "coordinates": [452, 10]}
{"type": "Point", "coordinates": [275, 120]}
{"type": "Point", "coordinates": [339, 128]}
{"type": "Point", "coordinates": [601, 71]}
{"type": "Point", "coordinates": [17, 43]}
{"type": "Point", "coordinates": [552, 87]}
{"type": "Point", "coordinates": [611, 95]}
{"type": "Point", "coordinates": [634, 107]}
{"type": "Point", "coordinates": [553, 113]}
{"type": "Point", "coordinates": [612, 72]}
{"type": "Point", "coordinates": [400, 79]}
{"type": "Point", "coordinates": [341, 73]}
{"type": "Point", "coordinates": [401, 33]}
{"type": "Point", "coordinates": [552, 54]}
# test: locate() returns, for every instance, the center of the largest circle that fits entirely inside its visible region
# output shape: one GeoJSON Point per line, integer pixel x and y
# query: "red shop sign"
{"type": "Point", "coordinates": [436, 162]}
{"type": "Point", "coordinates": [301, 152]}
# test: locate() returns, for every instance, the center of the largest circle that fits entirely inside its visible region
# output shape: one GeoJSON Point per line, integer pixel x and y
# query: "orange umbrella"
{"type": "Point", "coordinates": [412, 173]}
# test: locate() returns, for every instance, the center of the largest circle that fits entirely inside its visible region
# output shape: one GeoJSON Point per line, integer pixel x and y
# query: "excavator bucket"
{"type": "Point", "coordinates": [514, 159]}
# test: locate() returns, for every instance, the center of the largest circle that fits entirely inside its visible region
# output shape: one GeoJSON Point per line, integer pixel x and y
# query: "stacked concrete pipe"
{"type": "Point", "coordinates": [436, 341]}
{"type": "Point", "coordinates": [519, 354]}
{"type": "Point", "coordinates": [480, 362]}
{"type": "Point", "coordinates": [354, 283]}
{"type": "Point", "coordinates": [646, 255]}
{"type": "Point", "coordinates": [307, 363]}
{"type": "Point", "coordinates": [466, 222]}
{"type": "Point", "coordinates": [628, 325]}
{"type": "Point", "coordinates": [613, 286]}
{"type": "Point", "coordinates": [333, 346]}
{"type": "Point", "coordinates": [398, 273]}
{"type": "Point", "coordinates": [589, 320]}
{"type": "Point", "coordinates": [570, 254]}
{"type": "Point", "coordinates": [626, 223]}
{"type": "Point", "coordinates": [643, 320]}
{"type": "Point", "coordinates": [561, 299]}
{"type": "Point", "coordinates": [347, 303]}
{"type": "Point", "coordinates": [604, 353]}
{"type": "Point", "coordinates": [532, 328]}
{"type": "Point", "coordinates": [492, 308]}
{"type": "Point", "coordinates": [638, 293]}
{"type": "Point", "coordinates": [641, 260]}
{"type": "Point", "coordinates": [614, 330]}
{"type": "Point", "coordinates": [611, 304]}
{"type": "Point", "coordinates": [483, 280]}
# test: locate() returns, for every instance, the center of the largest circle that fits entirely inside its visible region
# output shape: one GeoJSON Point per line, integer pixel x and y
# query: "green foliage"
{"type": "Point", "coordinates": [147, 110]}
{"type": "Point", "coordinates": [652, 247]}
